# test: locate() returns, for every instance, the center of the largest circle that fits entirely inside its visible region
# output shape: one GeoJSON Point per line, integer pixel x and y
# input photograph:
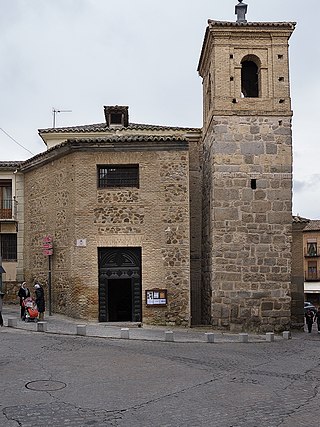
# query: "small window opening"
{"type": "Point", "coordinates": [281, 79]}
{"type": "Point", "coordinates": [231, 79]}
{"type": "Point", "coordinates": [116, 118]}
{"type": "Point", "coordinates": [231, 56]}
{"type": "Point", "coordinates": [281, 101]}
{"type": "Point", "coordinates": [209, 96]}
{"type": "Point", "coordinates": [249, 79]}
{"type": "Point", "coordinates": [280, 56]}
{"type": "Point", "coordinates": [254, 184]}
{"type": "Point", "coordinates": [280, 122]}
{"type": "Point", "coordinates": [234, 101]}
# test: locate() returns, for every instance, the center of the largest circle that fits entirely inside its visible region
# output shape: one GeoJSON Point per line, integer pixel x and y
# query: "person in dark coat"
{"type": "Point", "coordinates": [317, 316]}
{"type": "Point", "coordinates": [309, 319]}
{"type": "Point", "coordinates": [23, 294]}
{"type": "Point", "coordinates": [40, 301]}
{"type": "Point", "coordinates": [1, 318]}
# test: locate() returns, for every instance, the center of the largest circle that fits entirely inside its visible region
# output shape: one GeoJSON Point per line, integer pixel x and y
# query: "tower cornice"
{"type": "Point", "coordinates": [216, 29]}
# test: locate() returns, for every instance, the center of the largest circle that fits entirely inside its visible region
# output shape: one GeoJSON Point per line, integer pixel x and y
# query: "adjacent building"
{"type": "Point", "coordinates": [311, 253]}
{"type": "Point", "coordinates": [11, 223]}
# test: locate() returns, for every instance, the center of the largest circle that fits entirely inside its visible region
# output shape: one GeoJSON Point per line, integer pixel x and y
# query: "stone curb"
{"type": "Point", "coordinates": [167, 336]}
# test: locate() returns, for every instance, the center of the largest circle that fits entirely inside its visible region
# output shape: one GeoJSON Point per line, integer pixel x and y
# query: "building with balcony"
{"type": "Point", "coordinates": [311, 252]}
{"type": "Point", "coordinates": [11, 224]}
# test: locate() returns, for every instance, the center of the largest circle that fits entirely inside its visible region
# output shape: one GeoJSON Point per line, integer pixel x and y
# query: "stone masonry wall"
{"type": "Point", "coordinates": [50, 209]}
{"type": "Point", "coordinates": [248, 256]}
{"type": "Point", "coordinates": [63, 200]}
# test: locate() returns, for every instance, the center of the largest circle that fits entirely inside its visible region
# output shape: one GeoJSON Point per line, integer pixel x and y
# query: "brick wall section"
{"type": "Point", "coordinates": [224, 48]}
{"type": "Point", "coordinates": [63, 200]}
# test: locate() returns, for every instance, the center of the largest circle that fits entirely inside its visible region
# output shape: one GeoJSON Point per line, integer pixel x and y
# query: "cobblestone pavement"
{"type": "Point", "coordinates": [50, 379]}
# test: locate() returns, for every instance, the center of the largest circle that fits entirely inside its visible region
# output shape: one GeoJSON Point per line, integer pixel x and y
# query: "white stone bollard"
{"type": "Point", "coordinates": [286, 335]}
{"type": "Point", "coordinates": [168, 336]}
{"type": "Point", "coordinates": [125, 333]}
{"type": "Point", "coordinates": [243, 337]}
{"type": "Point", "coordinates": [270, 336]}
{"type": "Point", "coordinates": [82, 330]}
{"type": "Point", "coordinates": [209, 336]}
{"type": "Point", "coordinates": [41, 326]}
{"type": "Point", "coordinates": [12, 322]}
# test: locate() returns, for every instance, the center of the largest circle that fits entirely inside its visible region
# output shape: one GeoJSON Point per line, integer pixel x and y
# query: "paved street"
{"type": "Point", "coordinates": [68, 380]}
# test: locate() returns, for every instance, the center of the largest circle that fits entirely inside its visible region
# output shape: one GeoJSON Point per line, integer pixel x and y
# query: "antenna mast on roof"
{"type": "Point", "coordinates": [55, 112]}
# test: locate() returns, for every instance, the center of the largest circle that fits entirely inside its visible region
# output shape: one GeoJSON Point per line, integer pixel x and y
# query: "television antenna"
{"type": "Point", "coordinates": [55, 111]}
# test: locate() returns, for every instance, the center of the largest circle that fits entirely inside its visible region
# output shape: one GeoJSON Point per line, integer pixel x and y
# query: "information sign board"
{"type": "Point", "coordinates": [156, 297]}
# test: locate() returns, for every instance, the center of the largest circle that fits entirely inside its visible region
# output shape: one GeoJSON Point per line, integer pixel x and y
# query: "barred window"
{"type": "Point", "coordinates": [118, 176]}
{"type": "Point", "coordinates": [8, 245]}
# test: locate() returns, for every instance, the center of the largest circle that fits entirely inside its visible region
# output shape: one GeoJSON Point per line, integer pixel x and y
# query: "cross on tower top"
{"type": "Point", "coordinates": [240, 11]}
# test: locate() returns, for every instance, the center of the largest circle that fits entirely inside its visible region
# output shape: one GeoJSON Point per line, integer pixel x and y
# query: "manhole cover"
{"type": "Point", "coordinates": [45, 385]}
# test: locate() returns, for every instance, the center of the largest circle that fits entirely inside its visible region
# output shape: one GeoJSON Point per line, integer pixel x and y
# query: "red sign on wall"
{"type": "Point", "coordinates": [47, 245]}
{"type": "Point", "coordinates": [47, 252]}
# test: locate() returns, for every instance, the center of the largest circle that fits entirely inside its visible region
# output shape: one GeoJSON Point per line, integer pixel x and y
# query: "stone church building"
{"type": "Point", "coordinates": [171, 225]}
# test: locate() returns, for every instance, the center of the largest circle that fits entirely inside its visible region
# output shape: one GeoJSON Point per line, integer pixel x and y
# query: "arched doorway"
{"type": "Point", "coordinates": [120, 284]}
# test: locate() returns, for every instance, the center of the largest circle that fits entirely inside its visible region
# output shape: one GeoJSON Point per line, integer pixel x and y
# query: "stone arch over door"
{"type": "Point", "coordinates": [120, 295]}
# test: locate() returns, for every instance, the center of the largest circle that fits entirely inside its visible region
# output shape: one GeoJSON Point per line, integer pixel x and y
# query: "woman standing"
{"type": "Point", "coordinates": [40, 300]}
{"type": "Point", "coordinates": [23, 294]}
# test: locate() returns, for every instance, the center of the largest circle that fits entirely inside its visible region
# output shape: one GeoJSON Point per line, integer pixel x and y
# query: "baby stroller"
{"type": "Point", "coordinates": [31, 310]}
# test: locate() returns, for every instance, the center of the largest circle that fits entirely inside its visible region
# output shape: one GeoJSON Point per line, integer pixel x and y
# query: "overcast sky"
{"type": "Point", "coordinates": [80, 55]}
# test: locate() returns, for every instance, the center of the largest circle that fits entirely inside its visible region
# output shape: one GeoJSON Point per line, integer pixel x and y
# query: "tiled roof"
{"type": "Point", "coordinates": [9, 165]}
{"type": "Point", "coordinates": [98, 127]}
{"type": "Point", "coordinates": [110, 143]}
{"type": "Point", "coordinates": [130, 138]}
{"type": "Point", "coordinates": [212, 22]}
{"type": "Point", "coordinates": [314, 225]}
{"type": "Point", "coordinates": [299, 219]}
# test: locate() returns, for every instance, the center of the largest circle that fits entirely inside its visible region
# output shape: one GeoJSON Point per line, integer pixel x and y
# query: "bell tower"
{"type": "Point", "coordinates": [247, 174]}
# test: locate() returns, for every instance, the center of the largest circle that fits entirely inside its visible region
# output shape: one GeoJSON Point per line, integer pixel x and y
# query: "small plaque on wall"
{"type": "Point", "coordinates": [82, 243]}
{"type": "Point", "coordinates": [156, 297]}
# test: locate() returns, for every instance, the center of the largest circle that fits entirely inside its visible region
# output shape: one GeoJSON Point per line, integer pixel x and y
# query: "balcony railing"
{"type": "Point", "coordinates": [311, 253]}
{"type": "Point", "coordinates": [8, 209]}
{"type": "Point", "coordinates": [312, 277]}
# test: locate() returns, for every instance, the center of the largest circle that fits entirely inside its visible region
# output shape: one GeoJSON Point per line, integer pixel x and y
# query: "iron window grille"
{"type": "Point", "coordinates": [113, 176]}
{"type": "Point", "coordinates": [8, 245]}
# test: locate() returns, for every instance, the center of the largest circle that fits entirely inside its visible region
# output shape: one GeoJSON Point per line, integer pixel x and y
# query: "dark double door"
{"type": "Point", "coordinates": [120, 285]}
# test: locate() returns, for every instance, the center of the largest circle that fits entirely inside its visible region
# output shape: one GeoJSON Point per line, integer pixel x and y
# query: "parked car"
{"type": "Point", "coordinates": [307, 305]}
